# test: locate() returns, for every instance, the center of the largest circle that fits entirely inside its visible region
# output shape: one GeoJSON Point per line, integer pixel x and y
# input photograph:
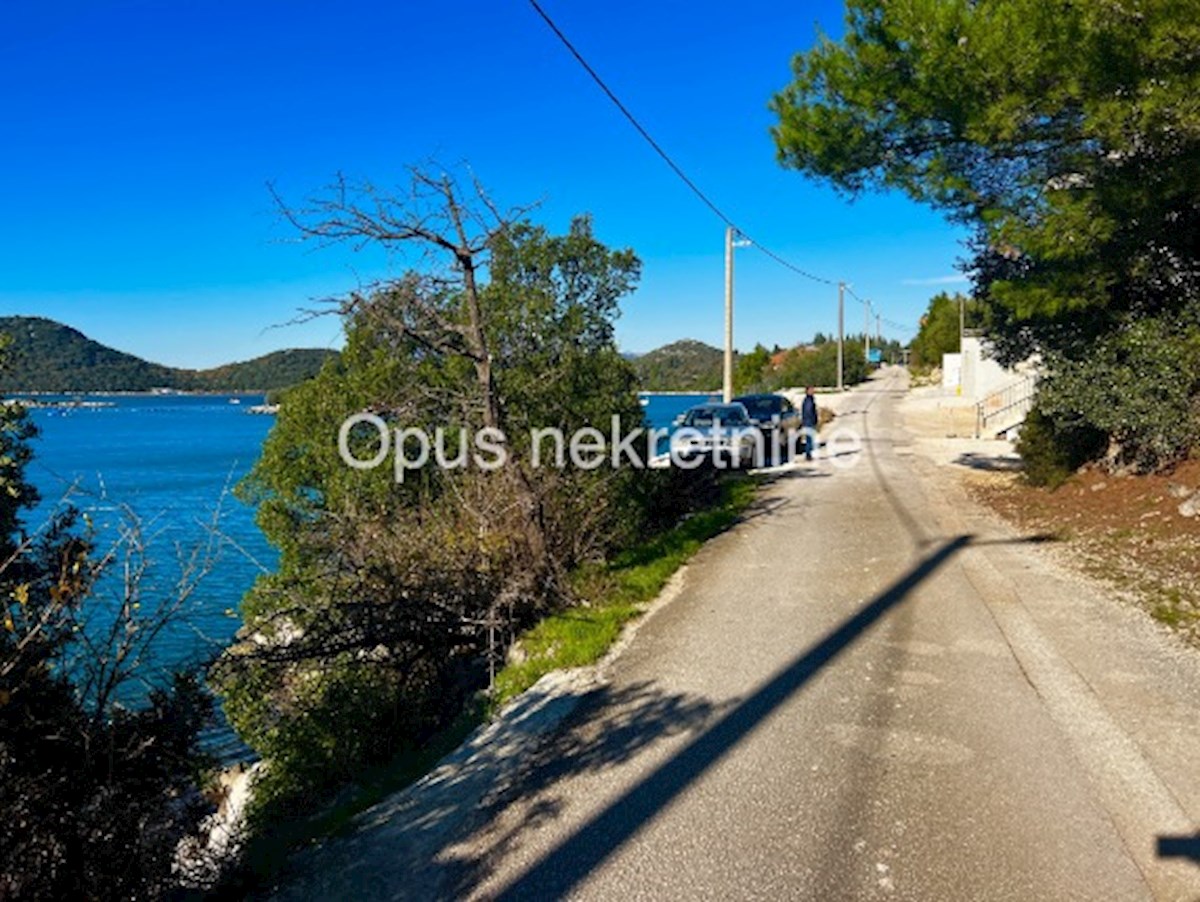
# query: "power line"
{"type": "Point", "coordinates": [704, 198]}
{"type": "Point", "coordinates": [632, 119]}
{"type": "Point", "coordinates": [692, 186]}
{"type": "Point", "coordinates": [890, 323]}
{"type": "Point", "coordinates": [850, 291]}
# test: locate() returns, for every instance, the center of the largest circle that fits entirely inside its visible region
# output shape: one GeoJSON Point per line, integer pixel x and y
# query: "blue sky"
{"type": "Point", "coordinates": [138, 138]}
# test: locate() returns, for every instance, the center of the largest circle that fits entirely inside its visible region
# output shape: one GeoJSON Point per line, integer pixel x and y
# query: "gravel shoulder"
{"type": "Point", "coordinates": [1128, 533]}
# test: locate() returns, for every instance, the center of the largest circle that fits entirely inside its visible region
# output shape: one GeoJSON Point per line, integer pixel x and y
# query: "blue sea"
{"type": "Point", "coordinates": [171, 460]}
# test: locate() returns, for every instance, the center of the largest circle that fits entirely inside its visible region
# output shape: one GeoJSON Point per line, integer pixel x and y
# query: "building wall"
{"type": "Point", "coordinates": [976, 373]}
{"type": "Point", "coordinates": [951, 371]}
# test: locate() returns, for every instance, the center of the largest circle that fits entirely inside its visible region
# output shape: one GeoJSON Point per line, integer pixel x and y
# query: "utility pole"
{"type": "Point", "coordinates": [962, 323]}
{"type": "Point", "coordinates": [841, 329]}
{"type": "Point", "coordinates": [727, 388]}
{"type": "Point", "coordinates": [866, 330]}
{"type": "Point", "coordinates": [878, 332]}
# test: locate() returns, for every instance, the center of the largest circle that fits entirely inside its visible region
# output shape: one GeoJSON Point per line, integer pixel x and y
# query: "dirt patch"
{"type": "Point", "coordinates": [1126, 531]}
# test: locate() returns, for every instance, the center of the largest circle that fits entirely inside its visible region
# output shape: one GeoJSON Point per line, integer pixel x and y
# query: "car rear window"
{"type": "Point", "coordinates": [704, 416]}
{"type": "Point", "coordinates": [762, 407]}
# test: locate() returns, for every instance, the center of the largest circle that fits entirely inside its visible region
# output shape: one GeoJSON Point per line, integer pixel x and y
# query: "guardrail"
{"type": "Point", "coordinates": [1008, 405]}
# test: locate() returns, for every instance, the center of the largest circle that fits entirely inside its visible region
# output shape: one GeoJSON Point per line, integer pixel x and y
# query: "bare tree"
{"type": "Point", "coordinates": [441, 307]}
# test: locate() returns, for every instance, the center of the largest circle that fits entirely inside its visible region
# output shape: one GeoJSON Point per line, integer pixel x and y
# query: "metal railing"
{"type": "Point", "coordinates": [1006, 406]}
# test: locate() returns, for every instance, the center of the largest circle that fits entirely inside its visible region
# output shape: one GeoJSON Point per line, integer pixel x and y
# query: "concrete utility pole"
{"type": "Point", "coordinates": [962, 322]}
{"type": "Point", "coordinates": [841, 329]}
{"type": "Point", "coordinates": [878, 331]}
{"type": "Point", "coordinates": [866, 331]}
{"type": "Point", "coordinates": [727, 388]}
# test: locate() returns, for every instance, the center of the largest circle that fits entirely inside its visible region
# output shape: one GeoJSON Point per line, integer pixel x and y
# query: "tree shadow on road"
{"type": "Point", "coordinates": [405, 847]}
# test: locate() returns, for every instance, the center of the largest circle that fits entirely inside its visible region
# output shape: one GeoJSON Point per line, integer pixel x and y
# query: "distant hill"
{"type": "Point", "coordinates": [279, 369]}
{"type": "Point", "coordinates": [686, 365]}
{"type": "Point", "coordinates": [46, 356]}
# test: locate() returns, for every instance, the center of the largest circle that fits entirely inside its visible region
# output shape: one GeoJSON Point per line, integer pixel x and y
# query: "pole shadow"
{"type": "Point", "coordinates": [1179, 847]}
{"type": "Point", "coordinates": [568, 864]}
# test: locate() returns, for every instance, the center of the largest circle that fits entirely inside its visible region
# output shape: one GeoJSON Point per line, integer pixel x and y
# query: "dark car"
{"type": "Point", "coordinates": [776, 417]}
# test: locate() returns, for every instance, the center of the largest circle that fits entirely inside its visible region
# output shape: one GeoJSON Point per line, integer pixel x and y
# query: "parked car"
{"type": "Point", "coordinates": [723, 432]}
{"type": "Point", "coordinates": [776, 417]}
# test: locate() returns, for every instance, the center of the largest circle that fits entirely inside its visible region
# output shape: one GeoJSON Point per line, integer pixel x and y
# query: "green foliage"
{"type": "Point", "coordinates": [751, 370]}
{"type": "Point", "coordinates": [1067, 135]}
{"type": "Point", "coordinates": [95, 796]}
{"type": "Point", "coordinates": [1139, 386]}
{"type": "Point", "coordinates": [393, 597]}
{"type": "Point", "coordinates": [818, 366]}
{"type": "Point", "coordinates": [940, 326]}
{"type": "Point", "coordinates": [1050, 453]}
{"type": "Point", "coordinates": [615, 592]}
{"type": "Point", "coordinates": [46, 356]}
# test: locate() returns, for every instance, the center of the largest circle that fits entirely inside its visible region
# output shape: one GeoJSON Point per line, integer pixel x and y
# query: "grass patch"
{"type": "Point", "coordinates": [611, 594]}
{"type": "Point", "coordinates": [1173, 609]}
{"type": "Point", "coordinates": [614, 593]}
{"type": "Point", "coordinates": [1168, 614]}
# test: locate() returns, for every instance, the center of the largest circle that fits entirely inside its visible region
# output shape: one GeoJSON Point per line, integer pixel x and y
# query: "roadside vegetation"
{"type": "Point", "coordinates": [1067, 137]}
{"type": "Point", "coordinates": [607, 595]}
{"type": "Point", "coordinates": [613, 592]}
{"type": "Point", "coordinates": [99, 781]}
{"type": "Point", "coordinates": [401, 593]}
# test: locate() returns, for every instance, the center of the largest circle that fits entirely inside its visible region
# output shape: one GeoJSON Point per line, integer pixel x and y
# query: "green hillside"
{"type": "Point", "coordinates": [686, 365]}
{"type": "Point", "coordinates": [279, 369]}
{"type": "Point", "coordinates": [46, 356]}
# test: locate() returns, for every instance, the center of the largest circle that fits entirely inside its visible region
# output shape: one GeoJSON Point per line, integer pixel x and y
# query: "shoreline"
{"type": "Point", "coordinates": [151, 393]}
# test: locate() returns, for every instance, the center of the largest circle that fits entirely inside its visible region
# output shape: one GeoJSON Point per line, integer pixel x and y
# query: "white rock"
{"type": "Point", "coordinates": [1177, 490]}
{"type": "Point", "coordinates": [200, 860]}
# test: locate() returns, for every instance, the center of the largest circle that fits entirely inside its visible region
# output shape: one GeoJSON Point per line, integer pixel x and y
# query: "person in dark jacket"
{"type": "Point", "coordinates": [809, 420]}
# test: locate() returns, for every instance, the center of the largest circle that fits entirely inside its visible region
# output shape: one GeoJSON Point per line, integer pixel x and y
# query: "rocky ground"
{"type": "Point", "coordinates": [1140, 535]}
{"type": "Point", "coordinates": [1131, 532]}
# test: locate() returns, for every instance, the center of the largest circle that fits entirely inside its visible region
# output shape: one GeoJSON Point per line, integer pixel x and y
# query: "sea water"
{"type": "Point", "coordinates": [164, 465]}
{"type": "Point", "coordinates": [168, 463]}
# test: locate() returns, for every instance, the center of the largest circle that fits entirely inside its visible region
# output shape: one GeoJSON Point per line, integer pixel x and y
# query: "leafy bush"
{"type": "Point", "coordinates": [1140, 385]}
{"type": "Point", "coordinates": [1052, 453]}
{"type": "Point", "coordinates": [818, 366]}
{"type": "Point", "coordinates": [395, 599]}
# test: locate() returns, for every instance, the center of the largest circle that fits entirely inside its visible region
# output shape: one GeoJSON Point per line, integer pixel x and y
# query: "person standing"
{"type": "Point", "coordinates": [808, 421]}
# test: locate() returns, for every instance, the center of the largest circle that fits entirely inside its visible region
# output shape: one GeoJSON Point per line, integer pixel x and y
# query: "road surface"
{"type": "Point", "coordinates": [867, 690]}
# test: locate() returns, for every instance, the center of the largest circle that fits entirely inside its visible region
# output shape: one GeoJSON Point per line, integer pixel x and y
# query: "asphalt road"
{"type": "Point", "coordinates": [867, 690]}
